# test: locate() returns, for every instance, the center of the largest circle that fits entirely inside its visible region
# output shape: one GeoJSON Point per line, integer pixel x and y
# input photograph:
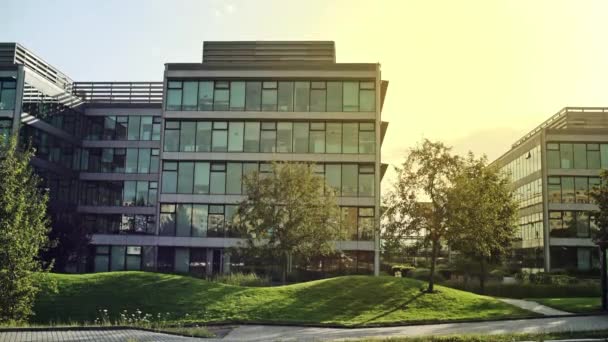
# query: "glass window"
{"type": "Point", "coordinates": [156, 121]}
{"type": "Point", "coordinates": [367, 138]}
{"type": "Point", "coordinates": [593, 156]}
{"type": "Point", "coordinates": [348, 222]}
{"type": "Point", "coordinates": [268, 137]}
{"type": "Point", "coordinates": [317, 97]}
{"type": "Point", "coordinates": [253, 93]}
{"type": "Point", "coordinates": [203, 136]}
{"type": "Point", "coordinates": [350, 138]}
{"type": "Point", "coordinates": [182, 260]}
{"type": "Point", "coordinates": [118, 258]}
{"type": "Point", "coordinates": [583, 259]}
{"type": "Point", "coordinates": [567, 159]}
{"type": "Point", "coordinates": [334, 96]}
{"type": "Point", "coordinates": [237, 95]}
{"type": "Point", "coordinates": [154, 160]}
{"type": "Point", "coordinates": [8, 95]}
{"type": "Point", "coordinates": [581, 190]}
{"type": "Point", "coordinates": [169, 179]}
{"type": "Point", "coordinates": [174, 95]}
{"type": "Point", "coordinates": [131, 166]}
{"type": "Point", "coordinates": [349, 179]}
{"type": "Point", "coordinates": [171, 143]}
{"type": "Point", "coordinates": [285, 96]}
{"type": "Point", "coordinates": [593, 182]}
{"type": "Point", "coordinates": [199, 220]}
{"type": "Point", "coordinates": [218, 178]}
{"type": "Point", "coordinates": [300, 135]}
{"type": "Point", "coordinates": [554, 190]}
{"type": "Point", "coordinates": [351, 96]}
{"type": "Point", "coordinates": [553, 156]}
{"type": "Point", "coordinates": [187, 136]}
{"type": "Point", "coordinates": [216, 221]}
{"type": "Point", "coordinates": [604, 155]}
{"type": "Point", "coordinates": [205, 95]}
{"type": "Point", "coordinates": [133, 130]}
{"type": "Point", "coordinates": [367, 97]}
{"type": "Point", "coordinates": [317, 137]}
{"type": "Point", "coordinates": [234, 175]}
{"type": "Point", "coordinates": [235, 136]}
{"type": "Point", "coordinates": [143, 164]}
{"type": "Point", "coordinates": [146, 128]}
{"type": "Point", "coordinates": [184, 220]}
{"type": "Point", "coordinates": [167, 220]}
{"type": "Point", "coordinates": [582, 224]}
{"type": "Point", "coordinates": [133, 258]}
{"type": "Point", "coordinates": [269, 96]}
{"type": "Point", "coordinates": [201, 178]}
{"type": "Point", "coordinates": [190, 94]}
{"type": "Point", "coordinates": [252, 137]}
{"type": "Point", "coordinates": [129, 193]}
{"type": "Point", "coordinates": [109, 127]}
{"type": "Point", "coordinates": [122, 123]}
{"type": "Point", "coordinates": [568, 189]}
{"type": "Point", "coordinates": [220, 137]}
{"type": "Point", "coordinates": [221, 96]}
{"type": "Point", "coordinates": [142, 194]}
{"type": "Point", "coordinates": [366, 181]}
{"type": "Point", "coordinates": [185, 177]}
{"type": "Point", "coordinates": [580, 156]}
{"type": "Point", "coordinates": [302, 96]}
{"type": "Point", "coordinates": [334, 137]}
{"type": "Point", "coordinates": [333, 177]}
{"type": "Point", "coordinates": [284, 137]}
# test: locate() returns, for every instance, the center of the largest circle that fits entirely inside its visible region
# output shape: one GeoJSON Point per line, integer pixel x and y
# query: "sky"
{"type": "Point", "coordinates": [476, 75]}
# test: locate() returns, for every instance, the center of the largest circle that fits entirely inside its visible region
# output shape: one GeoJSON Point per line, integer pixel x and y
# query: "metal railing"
{"type": "Point", "coordinates": [119, 92]}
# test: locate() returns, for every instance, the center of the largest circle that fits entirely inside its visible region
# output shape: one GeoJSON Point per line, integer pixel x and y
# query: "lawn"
{"type": "Point", "coordinates": [577, 304]}
{"type": "Point", "coordinates": [349, 300]}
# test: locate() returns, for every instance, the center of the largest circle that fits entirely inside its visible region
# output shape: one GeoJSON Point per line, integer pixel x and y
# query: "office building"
{"type": "Point", "coordinates": [154, 169]}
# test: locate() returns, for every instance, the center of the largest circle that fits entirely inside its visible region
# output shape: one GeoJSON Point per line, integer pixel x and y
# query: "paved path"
{"type": "Point", "coordinates": [534, 307]}
{"type": "Point", "coordinates": [540, 325]}
{"type": "Point", "coordinates": [90, 335]}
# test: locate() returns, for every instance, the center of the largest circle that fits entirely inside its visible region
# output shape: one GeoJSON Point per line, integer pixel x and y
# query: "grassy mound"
{"type": "Point", "coordinates": [350, 300]}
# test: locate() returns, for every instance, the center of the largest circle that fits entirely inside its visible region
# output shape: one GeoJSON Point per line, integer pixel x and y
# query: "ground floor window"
{"type": "Point", "coordinates": [574, 258]}
{"type": "Point", "coordinates": [117, 258]}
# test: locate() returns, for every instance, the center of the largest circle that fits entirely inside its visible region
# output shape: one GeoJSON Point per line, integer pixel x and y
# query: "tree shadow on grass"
{"type": "Point", "coordinates": [402, 306]}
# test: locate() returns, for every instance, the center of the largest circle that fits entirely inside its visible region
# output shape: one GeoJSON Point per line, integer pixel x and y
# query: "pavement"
{"type": "Point", "coordinates": [534, 307]}
{"type": "Point", "coordinates": [291, 333]}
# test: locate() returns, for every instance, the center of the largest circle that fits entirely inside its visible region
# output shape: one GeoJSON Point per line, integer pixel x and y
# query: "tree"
{"type": "Point", "coordinates": [68, 242]}
{"type": "Point", "coordinates": [289, 212]}
{"type": "Point", "coordinates": [23, 231]}
{"type": "Point", "coordinates": [417, 204]}
{"type": "Point", "coordinates": [600, 236]}
{"type": "Point", "coordinates": [481, 214]}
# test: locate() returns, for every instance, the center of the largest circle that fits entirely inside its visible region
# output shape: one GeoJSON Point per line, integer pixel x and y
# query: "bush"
{"type": "Point", "coordinates": [242, 279]}
{"type": "Point", "coordinates": [547, 278]}
{"type": "Point", "coordinates": [497, 273]}
{"type": "Point", "coordinates": [424, 274]}
{"type": "Point", "coordinates": [528, 290]}
{"type": "Point", "coordinates": [404, 269]}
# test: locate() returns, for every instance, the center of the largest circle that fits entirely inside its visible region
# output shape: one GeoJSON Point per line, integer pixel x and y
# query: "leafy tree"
{"type": "Point", "coordinates": [68, 242]}
{"type": "Point", "coordinates": [23, 231]}
{"type": "Point", "coordinates": [417, 204]}
{"type": "Point", "coordinates": [481, 214]}
{"type": "Point", "coordinates": [289, 212]}
{"type": "Point", "coordinates": [600, 236]}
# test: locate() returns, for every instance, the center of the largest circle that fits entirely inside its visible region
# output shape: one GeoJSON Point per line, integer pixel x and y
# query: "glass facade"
{"type": "Point", "coordinates": [572, 224]}
{"type": "Point", "coordinates": [531, 227]}
{"type": "Point", "coordinates": [574, 258]}
{"type": "Point", "coordinates": [526, 164]}
{"type": "Point", "coordinates": [120, 160]}
{"type": "Point", "coordinates": [530, 193]}
{"type": "Point", "coordinates": [120, 224]}
{"type": "Point", "coordinates": [118, 193]}
{"type": "Point", "coordinates": [5, 127]}
{"type": "Point", "coordinates": [571, 189]}
{"type": "Point", "coordinates": [270, 137]}
{"type": "Point", "coordinates": [118, 258]}
{"type": "Point", "coordinates": [271, 96]}
{"type": "Point", "coordinates": [577, 156]}
{"type": "Point", "coordinates": [8, 93]}
{"type": "Point", "coordinates": [210, 177]}
{"type": "Point", "coordinates": [122, 127]}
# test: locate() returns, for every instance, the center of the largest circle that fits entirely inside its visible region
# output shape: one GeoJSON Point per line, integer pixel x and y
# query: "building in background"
{"type": "Point", "coordinates": [553, 168]}
{"type": "Point", "coordinates": [154, 169]}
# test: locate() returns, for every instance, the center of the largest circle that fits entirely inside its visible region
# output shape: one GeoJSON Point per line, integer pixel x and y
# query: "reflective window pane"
{"type": "Point", "coordinates": [302, 97]}
{"type": "Point", "coordinates": [300, 141]}
{"type": "Point", "coordinates": [201, 178]}
{"type": "Point", "coordinates": [253, 93]}
{"type": "Point", "coordinates": [334, 96]}
{"type": "Point", "coordinates": [351, 96]}
{"type": "Point", "coordinates": [235, 136]}
{"type": "Point", "coordinates": [203, 136]}
{"type": "Point", "coordinates": [184, 220]}
{"type": "Point", "coordinates": [237, 95]}
{"type": "Point", "coordinates": [252, 137]}
{"type": "Point", "coordinates": [190, 95]}
{"type": "Point", "coordinates": [185, 177]}
{"type": "Point", "coordinates": [205, 95]}
{"type": "Point", "coordinates": [233, 179]}
{"type": "Point", "coordinates": [285, 95]}
{"type": "Point", "coordinates": [350, 138]}
{"type": "Point", "coordinates": [284, 137]}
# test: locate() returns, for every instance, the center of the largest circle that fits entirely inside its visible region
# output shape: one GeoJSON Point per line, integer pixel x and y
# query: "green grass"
{"type": "Point", "coordinates": [577, 305]}
{"type": "Point", "coordinates": [350, 300]}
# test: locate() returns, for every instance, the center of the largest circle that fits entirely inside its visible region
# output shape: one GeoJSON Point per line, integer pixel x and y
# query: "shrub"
{"type": "Point", "coordinates": [497, 273]}
{"type": "Point", "coordinates": [424, 274]}
{"type": "Point", "coordinates": [529, 290]}
{"type": "Point", "coordinates": [403, 268]}
{"type": "Point", "coordinates": [242, 279]}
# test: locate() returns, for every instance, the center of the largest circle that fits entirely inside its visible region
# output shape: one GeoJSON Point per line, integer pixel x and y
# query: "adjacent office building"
{"type": "Point", "coordinates": [553, 168]}
{"type": "Point", "coordinates": [154, 169]}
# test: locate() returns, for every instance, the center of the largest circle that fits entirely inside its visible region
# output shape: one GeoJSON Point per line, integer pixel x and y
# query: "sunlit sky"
{"type": "Point", "coordinates": [474, 74]}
